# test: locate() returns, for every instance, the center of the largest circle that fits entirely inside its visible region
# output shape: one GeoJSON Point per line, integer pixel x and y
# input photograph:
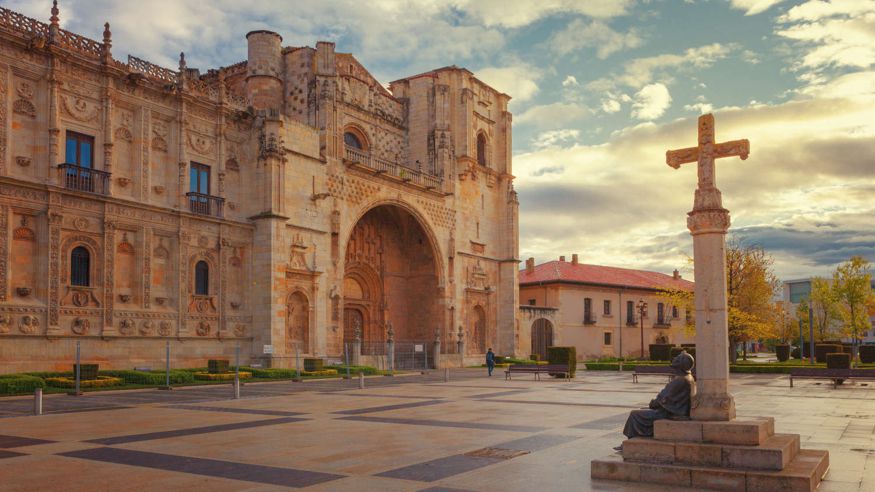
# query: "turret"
{"type": "Point", "coordinates": [264, 85]}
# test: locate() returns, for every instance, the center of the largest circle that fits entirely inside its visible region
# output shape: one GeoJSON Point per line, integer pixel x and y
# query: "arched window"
{"type": "Point", "coordinates": [481, 149]}
{"type": "Point", "coordinates": [353, 140]}
{"type": "Point", "coordinates": [80, 267]}
{"type": "Point", "coordinates": [202, 279]}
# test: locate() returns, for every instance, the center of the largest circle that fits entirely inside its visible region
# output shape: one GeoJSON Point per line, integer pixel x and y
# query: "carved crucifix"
{"type": "Point", "coordinates": [706, 152]}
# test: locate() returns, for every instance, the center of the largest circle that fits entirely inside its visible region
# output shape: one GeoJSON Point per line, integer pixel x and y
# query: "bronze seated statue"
{"type": "Point", "coordinates": [673, 402]}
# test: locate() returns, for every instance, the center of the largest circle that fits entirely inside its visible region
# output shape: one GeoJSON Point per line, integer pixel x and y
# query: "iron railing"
{"type": "Point", "coordinates": [202, 204]}
{"type": "Point", "coordinates": [395, 169]}
{"type": "Point", "coordinates": [85, 179]}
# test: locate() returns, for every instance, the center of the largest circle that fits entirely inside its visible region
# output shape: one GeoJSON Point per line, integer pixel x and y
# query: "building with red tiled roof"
{"type": "Point", "coordinates": [596, 308]}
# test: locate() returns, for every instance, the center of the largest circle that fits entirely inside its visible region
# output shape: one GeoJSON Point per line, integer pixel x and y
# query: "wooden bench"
{"type": "Point", "coordinates": [537, 370]}
{"type": "Point", "coordinates": [820, 373]}
{"type": "Point", "coordinates": [653, 371]}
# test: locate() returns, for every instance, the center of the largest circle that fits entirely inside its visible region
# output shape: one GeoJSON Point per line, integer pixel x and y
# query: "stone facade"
{"type": "Point", "coordinates": [588, 307]}
{"type": "Point", "coordinates": [289, 200]}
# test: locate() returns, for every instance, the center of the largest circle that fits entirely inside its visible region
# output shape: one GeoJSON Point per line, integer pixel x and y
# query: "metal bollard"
{"type": "Point", "coordinates": [236, 389]}
{"type": "Point", "coordinates": [361, 380]}
{"type": "Point", "coordinates": [446, 374]}
{"type": "Point", "coordinates": [38, 401]}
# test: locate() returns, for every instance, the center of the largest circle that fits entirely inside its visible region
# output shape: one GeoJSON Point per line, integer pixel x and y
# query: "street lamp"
{"type": "Point", "coordinates": [642, 312]}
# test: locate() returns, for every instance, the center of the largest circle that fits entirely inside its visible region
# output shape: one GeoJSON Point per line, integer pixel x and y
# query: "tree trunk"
{"type": "Point", "coordinates": [744, 352]}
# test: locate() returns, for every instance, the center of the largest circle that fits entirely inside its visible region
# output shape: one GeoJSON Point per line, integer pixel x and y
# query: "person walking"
{"type": "Point", "coordinates": [490, 361]}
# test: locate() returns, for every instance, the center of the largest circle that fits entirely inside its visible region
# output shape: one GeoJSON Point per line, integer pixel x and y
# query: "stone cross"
{"type": "Point", "coordinates": [708, 223]}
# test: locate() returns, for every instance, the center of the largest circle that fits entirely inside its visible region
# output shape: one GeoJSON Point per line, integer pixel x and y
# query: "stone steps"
{"type": "Point", "coordinates": [749, 432]}
{"type": "Point", "coordinates": [774, 453]}
{"type": "Point", "coordinates": [803, 472]}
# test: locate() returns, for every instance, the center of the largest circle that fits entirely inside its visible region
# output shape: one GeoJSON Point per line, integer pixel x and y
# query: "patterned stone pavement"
{"type": "Point", "coordinates": [413, 433]}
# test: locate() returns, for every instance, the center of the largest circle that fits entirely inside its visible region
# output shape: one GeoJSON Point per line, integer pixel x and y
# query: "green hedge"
{"type": "Point", "coordinates": [270, 373]}
{"type": "Point", "coordinates": [821, 349]}
{"type": "Point", "coordinates": [217, 366]}
{"type": "Point", "coordinates": [677, 350]}
{"type": "Point", "coordinates": [660, 351]}
{"type": "Point", "coordinates": [87, 372]}
{"type": "Point", "coordinates": [563, 355]}
{"type": "Point", "coordinates": [615, 366]}
{"type": "Point", "coordinates": [13, 384]}
{"type": "Point", "coordinates": [782, 351]}
{"type": "Point", "coordinates": [867, 353]}
{"type": "Point", "coordinates": [838, 361]}
{"type": "Point", "coordinates": [354, 370]}
{"type": "Point", "coordinates": [313, 364]}
{"type": "Point", "coordinates": [157, 378]}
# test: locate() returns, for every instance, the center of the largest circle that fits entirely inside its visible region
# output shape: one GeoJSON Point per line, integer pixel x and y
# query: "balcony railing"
{"type": "Point", "coordinates": [84, 179]}
{"type": "Point", "coordinates": [201, 204]}
{"type": "Point", "coordinates": [588, 319]}
{"type": "Point", "coordinates": [382, 166]}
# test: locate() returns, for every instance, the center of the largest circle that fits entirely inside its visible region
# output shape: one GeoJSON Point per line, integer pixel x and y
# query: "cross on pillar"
{"type": "Point", "coordinates": [708, 223]}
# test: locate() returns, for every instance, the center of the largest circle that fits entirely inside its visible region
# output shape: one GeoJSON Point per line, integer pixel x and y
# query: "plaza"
{"type": "Point", "coordinates": [406, 433]}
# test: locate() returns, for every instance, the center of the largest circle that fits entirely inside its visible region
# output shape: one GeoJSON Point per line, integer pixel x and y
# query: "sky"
{"type": "Point", "coordinates": [601, 89]}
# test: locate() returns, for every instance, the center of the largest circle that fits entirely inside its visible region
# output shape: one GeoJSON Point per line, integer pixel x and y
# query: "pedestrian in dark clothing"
{"type": "Point", "coordinates": [490, 361]}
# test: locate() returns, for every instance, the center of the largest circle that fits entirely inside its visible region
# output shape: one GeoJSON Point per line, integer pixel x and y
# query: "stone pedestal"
{"type": "Point", "coordinates": [741, 455]}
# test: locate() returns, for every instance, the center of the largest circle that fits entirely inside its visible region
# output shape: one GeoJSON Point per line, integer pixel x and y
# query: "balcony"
{"type": "Point", "coordinates": [397, 171]}
{"type": "Point", "coordinates": [84, 179]}
{"type": "Point", "coordinates": [662, 323]}
{"type": "Point", "coordinates": [588, 319]}
{"type": "Point", "coordinates": [201, 204]}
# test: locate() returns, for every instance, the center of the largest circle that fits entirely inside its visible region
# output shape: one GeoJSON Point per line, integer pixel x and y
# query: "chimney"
{"type": "Point", "coordinates": [676, 274]}
{"type": "Point", "coordinates": [530, 265]}
{"type": "Point", "coordinates": [562, 258]}
{"type": "Point", "coordinates": [574, 259]}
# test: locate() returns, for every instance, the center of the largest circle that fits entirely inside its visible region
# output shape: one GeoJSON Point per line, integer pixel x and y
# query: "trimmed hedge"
{"type": "Point", "coordinates": [534, 357]}
{"type": "Point", "coordinates": [677, 350]}
{"type": "Point", "coordinates": [313, 364]}
{"type": "Point", "coordinates": [660, 351]}
{"type": "Point", "coordinates": [615, 366]}
{"type": "Point", "coordinates": [366, 370]}
{"type": "Point", "coordinates": [867, 353]}
{"type": "Point", "coordinates": [86, 371]}
{"type": "Point", "coordinates": [322, 372]}
{"type": "Point", "coordinates": [13, 384]}
{"type": "Point", "coordinates": [224, 376]}
{"type": "Point", "coordinates": [782, 351]}
{"type": "Point", "coordinates": [821, 349]}
{"type": "Point", "coordinates": [217, 366]}
{"type": "Point", "coordinates": [563, 355]}
{"type": "Point", "coordinates": [151, 377]}
{"type": "Point", "coordinates": [99, 382]}
{"type": "Point", "coordinates": [838, 361]}
{"type": "Point", "coordinates": [270, 373]}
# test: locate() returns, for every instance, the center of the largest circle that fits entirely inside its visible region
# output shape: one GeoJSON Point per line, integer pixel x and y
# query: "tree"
{"type": "Point", "coordinates": [825, 306]}
{"type": "Point", "coordinates": [784, 322]}
{"type": "Point", "coordinates": [852, 287]}
{"type": "Point", "coordinates": [750, 287]}
{"type": "Point", "coordinates": [683, 300]}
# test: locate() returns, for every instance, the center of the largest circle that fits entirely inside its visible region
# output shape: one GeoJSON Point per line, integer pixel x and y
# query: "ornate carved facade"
{"type": "Point", "coordinates": [288, 200]}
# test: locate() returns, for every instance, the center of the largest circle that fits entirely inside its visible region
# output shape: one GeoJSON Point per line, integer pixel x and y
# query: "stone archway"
{"type": "Point", "coordinates": [297, 323]}
{"type": "Point", "coordinates": [391, 276]}
{"type": "Point", "coordinates": [542, 337]}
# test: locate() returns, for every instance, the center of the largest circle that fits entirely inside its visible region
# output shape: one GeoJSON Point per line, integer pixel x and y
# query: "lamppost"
{"type": "Point", "coordinates": [642, 312]}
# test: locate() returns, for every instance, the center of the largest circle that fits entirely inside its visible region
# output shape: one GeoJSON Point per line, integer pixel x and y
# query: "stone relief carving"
{"type": "Point", "coordinates": [80, 326]}
{"type": "Point", "coordinates": [159, 135]}
{"type": "Point", "coordinates": [477, 277]}
{"type": "Point", "coordinates": [24, 107]}
{"type": "Point", "coordinates": [124, 133]}
{"type": "Point", "coordinates": [80, 109]}
{"type": "Point", "coordinates": [5, 320]}
{"type": "Point", "coordinates": [80, 223]}
{"type": "Point", "coordinates": [147, 327]}
{"type": "Point", "coordinates": [4, 90]}
{"type": "Point", "coordinates": [239, 330]}
{"type": "Point", "coordinates": [201, 144]}
{"type": "Point", "coordinates": [298, 253]}
{"type": "Point", "coordinates": [164, 328]}
{"type": "Point", "coordinates": [23, 161]}
{"type": "Point", "coordinates": [28, 324]}
{"type": "Point", "coordinates": [203, 329]}
{"type": "Point", "coordinates": [126, 326]}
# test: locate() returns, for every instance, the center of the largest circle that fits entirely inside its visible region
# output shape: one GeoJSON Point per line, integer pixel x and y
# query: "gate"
{"type": "Point", "coordinates": [542, 337]}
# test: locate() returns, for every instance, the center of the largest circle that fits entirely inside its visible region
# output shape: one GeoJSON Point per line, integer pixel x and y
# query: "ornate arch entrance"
{"type": "Point", "coordinates": [390, 277]}
{"type": "Point", "coordinates": [297, 323]}
{"type": "Point", "coordinates": [542, 337]}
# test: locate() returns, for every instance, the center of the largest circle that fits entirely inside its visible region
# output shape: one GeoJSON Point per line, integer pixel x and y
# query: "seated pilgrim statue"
{"type": "Point", "coordinates": [671, 403]}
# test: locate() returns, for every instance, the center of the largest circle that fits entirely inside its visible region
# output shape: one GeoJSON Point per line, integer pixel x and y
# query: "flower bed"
{"type": "Point", "coordinates": [221, 376]}
{"type": "Point", "coordinates": [100, 382]}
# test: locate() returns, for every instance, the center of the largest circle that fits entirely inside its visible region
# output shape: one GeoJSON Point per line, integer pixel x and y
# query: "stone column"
{"type": "Point", "coordinates": [357, 344]}
{"type": "Point", "coordinates": [390, 349]}
{"type": "Point", "coordinates": [437, 348]}
{"type": "Point", "coordinates": [708, 226]}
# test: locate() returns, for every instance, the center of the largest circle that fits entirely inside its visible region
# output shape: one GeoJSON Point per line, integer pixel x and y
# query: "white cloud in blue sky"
{"type": "Point", "coordinates": [601, 89]}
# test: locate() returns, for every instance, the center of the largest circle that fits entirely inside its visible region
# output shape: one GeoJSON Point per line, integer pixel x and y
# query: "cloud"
{"type": "Point", "coordinates": [754, 7]}
{"type": "Point", "coordinates": [651, 102]}
{"type": "Point", "coordinates": [611, 106]}
{"type": "Point", "coordinates": [579, 34]}
{"type": "Point", "coordinates": [552, 116]}
{"type": "Point", "coordinates": [641, 71]}
{"type": "Point", "coordinates": [555, 137]}
{"type": "Point", "coordinates": [701, 106]}
{"type": "Point", "coordinates": [519, 81]}
{"type": "Point", "coordinates": [570, 81]}
{"type": "Point", "coordinates": [518, 13]}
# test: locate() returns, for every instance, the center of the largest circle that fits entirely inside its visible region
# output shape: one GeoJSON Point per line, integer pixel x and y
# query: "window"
{"type": "Point", "coordinates": [607, 308]}
{"type": "Point", "coordinates": [199, 179]}
{"type": "Point", "coordinates": [609, 338]}
{"type": "Point", "coordinates": [80, 267]}
{"type": "Point", "coordinates": [660, 313]}
{"type": "Point", "coordinates": [532, 302]}
{"type": "Point", "coordinates": [481, 149]}
{"type": "Point", "coordinates": [202, 279]}
{"type": "Point", "coordinates": [587, 311]}
{"type": "Point", "coordinates": [674, 312]}
{"type": "Point", "coordinates": [80, 150]}
{"type": "Point", "coordinates": [352, 140]}
{"type": "Point", "coordinates": [630, 313]}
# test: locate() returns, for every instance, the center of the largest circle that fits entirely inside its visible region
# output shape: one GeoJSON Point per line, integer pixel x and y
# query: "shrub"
{"type": "Point", "coordinates": [270, 373]}
{"type": "Point", "coordinates": [98, 382]}
{"type": "Point", "coordinates": [660, 351]}
{"type": "Point", "coordinates": [867, 354]}
{"type": "Point", "coordinates": [366, 370]}
{"type": "Point", "coordinates": [321, 372]}
{"type": "Point", "coordinates": [224, 376]}
{"type": "Point", "coordinates": [839, 360]}
{"type": "Point", "coordinates": [217, 366]}
{"type": "Point", "coordinates": [563, 355]}
{"type": "Point", "coordinates": [534, 357]}
{"type": "Point", "coordinates": [151, 377]}
{"type": "Point", "coordinates": [87, 372]}
{"type": "Point", "coordinates": [311, 365]}
{"type": "Point", "coordinates": [688, 345]}
{"type": "Point", "coordinates": [821, 349]}
{"type": "Point", "coordinates": [500, 359]}
{"type": "Point", "coordinates": [676, 350]}
{"type": "Point", "coordinates": [783, 352]}
{"type": "Point", "coordinates": [12, 384]}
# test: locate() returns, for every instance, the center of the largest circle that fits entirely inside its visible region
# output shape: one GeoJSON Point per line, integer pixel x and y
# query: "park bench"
{"type": "Point", "coordinates": [653, 371]}
{"type": "Point", "coordinates": [537, 370]}
{"type": "Point", "coordinates": [835, 375]}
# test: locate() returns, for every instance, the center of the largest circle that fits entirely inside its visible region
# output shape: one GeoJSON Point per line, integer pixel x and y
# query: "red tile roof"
{"type": "Point", "coordinates": [565, 271]}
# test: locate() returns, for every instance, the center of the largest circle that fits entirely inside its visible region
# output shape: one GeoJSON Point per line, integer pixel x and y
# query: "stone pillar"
{"type": "Point", "coordinates": [437, 349]}
{"type": "Point", "coordinates": [708, 227]}
{"type": "Point", "coordinates": [461, 347]}
{"type": "Point", "coordinates": [390, 349]}
{"type": "Point", "coordinates": [357, 344]}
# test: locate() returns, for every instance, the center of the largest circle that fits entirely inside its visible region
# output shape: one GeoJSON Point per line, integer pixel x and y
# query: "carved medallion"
{"type": "Point", "coordinates": [80, 326]}
{"type": "Point", "coordinates": [203, 329]}
{"type": "Point", "coordinates": [80, 298]}
{"type": "Point", "coordinates": [146, 328]}
{"type": "Point", "coordinates": [5, 321]}
{"type": "Point", "coordinates": [28, 324]}
{"type": "Point", "coordinates": [126, 326]}
{"type": "Point", "coordinates": [164, 328]}
{"type": "Point", "coordinates": [79, 108]}
{"type": "Point", "coordinates": [239, 330]}
{"type": "Point", "coordinates": [80, 223]}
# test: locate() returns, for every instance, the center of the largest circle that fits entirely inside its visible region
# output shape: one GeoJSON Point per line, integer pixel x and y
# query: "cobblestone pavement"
{"type": "Point", "coordinates": [407, 433]}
